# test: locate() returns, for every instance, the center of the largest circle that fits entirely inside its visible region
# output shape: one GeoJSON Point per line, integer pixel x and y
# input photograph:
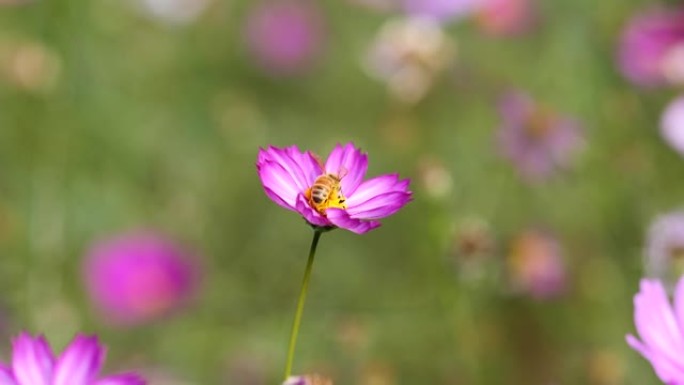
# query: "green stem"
{"type": "Point", "coordinates": [300, 304]}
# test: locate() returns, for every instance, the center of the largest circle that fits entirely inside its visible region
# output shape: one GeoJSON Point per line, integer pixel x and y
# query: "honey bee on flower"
{"type": "Point", "coordinates": [326, 190]}
{"type": "Point", "coordinates": [334, 193]}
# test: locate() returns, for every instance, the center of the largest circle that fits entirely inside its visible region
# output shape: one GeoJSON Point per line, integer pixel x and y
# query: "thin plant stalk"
{"type": "Point", "coordinates": [300, 304]}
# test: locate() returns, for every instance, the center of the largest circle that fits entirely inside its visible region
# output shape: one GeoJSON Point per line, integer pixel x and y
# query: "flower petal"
{"type": "Point", "coordinates": [679, 303]}
{"type": "Point", "coordinates": [349, 162]}
{"type": "Point", "coordinates": [122, 379]}
{"type": "Point", "coordinates": [312, 216]}
{"type": "Point", "coordinates": [80, 363]}
{"type": "Point", "coordinates": [341, 218]}
{"type": "Point", "coordinates": [377, 186]}
{"type": "Point", "coordinates": [310, 166]}
{"type": "Point", "coordinates": [656, 322]}
{"type": "Point", "coordinates": [277, 199]}
{"type": "Point", "coordinates": [284, 158]}
{"type": "Point", "coordinates": [295, 380]}
{"type": "Point", "coordinates": [6, 377]}
{"type": "Point", "coordinates": [32, 360]}
{"type": "Point", "coordinates": [664, 368]}
{"type": "Point", "coordinates": [380, 206]}
{"type": "Point", "coordinates": [278, 183]}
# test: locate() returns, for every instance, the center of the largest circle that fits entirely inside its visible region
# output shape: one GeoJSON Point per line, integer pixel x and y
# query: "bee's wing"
{"type": "Point", "coordinates": [319, 161]}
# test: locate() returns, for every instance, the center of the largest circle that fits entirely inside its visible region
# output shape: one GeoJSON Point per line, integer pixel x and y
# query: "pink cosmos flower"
{"type": "Point", "coordinates": [288, 177]}
{"type": "Point", "coordinates": [672, 124]}
{"type": "Point", "coordinates": [652, 47]}
{"type": "Point", "coordinates": [33, 363]}
{"type": "Point", "coordinates": [506, 17]}
{"type": "Point", "coordinates": [538, 141]}
{"type": "Point", "coordinates": [285, 37]}
{"type": "Point", "coordinates": [661, 328]}
{"type": "Point", "coordinates": [536, 265]}
{"type": "Point", "coordinates": [440, 10]}
{"type": "Point", "coordinates": [139, 276]}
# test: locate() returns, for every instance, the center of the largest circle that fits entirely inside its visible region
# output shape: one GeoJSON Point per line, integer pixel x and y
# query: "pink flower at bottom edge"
{"type": "Point", "coordinates": [660, 326]}
{"type": "Point", "coordinates": [33, 363]}
{"type": "Point", "coordinates": [296, 181]}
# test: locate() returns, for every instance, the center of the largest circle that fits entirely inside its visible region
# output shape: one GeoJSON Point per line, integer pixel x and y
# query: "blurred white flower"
{"type": "Point", "coordinates": [672, 124]}
{"type": "Point", "coordinates": [664, 250]}
{"type": "Point", "coordinates": [434, 177]}
{"type": "Point", "coordinates": [408, 54]}
{"type": "Point", "coordinates": [175, 11]}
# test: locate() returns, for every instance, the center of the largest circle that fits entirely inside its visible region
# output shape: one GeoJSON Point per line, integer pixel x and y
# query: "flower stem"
{"type": "Point", "coordinates": [300, 304]}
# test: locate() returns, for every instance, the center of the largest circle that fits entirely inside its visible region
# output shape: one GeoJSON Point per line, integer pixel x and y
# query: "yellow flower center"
{"type": "Point", "coordinates": [539, 124]}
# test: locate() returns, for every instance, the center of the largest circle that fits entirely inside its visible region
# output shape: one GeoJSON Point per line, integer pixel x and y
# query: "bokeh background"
{"type": "Point", "coordinates": [119, 115]}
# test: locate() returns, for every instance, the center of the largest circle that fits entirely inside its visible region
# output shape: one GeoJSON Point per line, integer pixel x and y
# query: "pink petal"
{"type": "Point", "coordinates": [380, 206]}
{"type": "Point", "coordinates": [377, 186]}
{"type": "Point", "coordinates": [656, 323]}
{"type": "Point", "coordinates": [664, 368]}
{"type": "Point", "coordinates": [312, 216]}
{"type": "Point", "coordinates": [277, 199]}
{"type": "Point", "coordinates": [341, 218]}
{"type": "Point", "coordinates": [637, 345]}
{"type": "Point", "coordinates": [80, 363]}
{"type": "Point", "coordinates": [280, 183]}
{"type": "Point", "coordinates": [310, 166]}
{"type": "Point", "coordinates": [351, 161]}
{"type": "Point", "coordinates": [6, 377]}
{"type": "Point", "coordinates": [122, 379]}
{"type": "Point", "coordinates": [32, 360]}
{"type": "Point", "coordinates": [283, 157]}
{"type": "Point", "coordinates": [679, 303]}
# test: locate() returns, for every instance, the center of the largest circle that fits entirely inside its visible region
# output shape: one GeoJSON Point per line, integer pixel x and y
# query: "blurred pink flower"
{"type": "Point", "coordinates": [661, 328]}
{"type": "Point", "coordinates": [290, 178]}
{"type": "Point", "coordinates": [440, 10]}
{"type": "Point", "coordinates": [33, 363]}
{"type": "Point", "coordinates": [506, 17]}
{"type": "Point", "coordinates": [672, 124]}
{"type": "Point", "coordinates": [536, 265]}
{"type": "Point", "coordinates": [138, 277]}
{"type": "Point", "coordinates": [651, 51]}
{"type": "Point", "coordinates": [536, 140]}
{"type": "Point", "coordinates": [285, 37]}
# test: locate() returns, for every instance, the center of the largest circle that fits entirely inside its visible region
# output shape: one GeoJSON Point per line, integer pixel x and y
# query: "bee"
{"type": "Point", "coordinates": [326, 192]}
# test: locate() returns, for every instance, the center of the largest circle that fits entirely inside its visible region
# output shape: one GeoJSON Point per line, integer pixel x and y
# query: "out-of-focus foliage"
{"type": "Point", "coordinates": [119, 115]}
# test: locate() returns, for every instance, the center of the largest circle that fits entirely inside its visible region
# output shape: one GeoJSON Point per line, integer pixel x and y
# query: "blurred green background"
{"type": "Point", "coordinates": [140, 122]}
